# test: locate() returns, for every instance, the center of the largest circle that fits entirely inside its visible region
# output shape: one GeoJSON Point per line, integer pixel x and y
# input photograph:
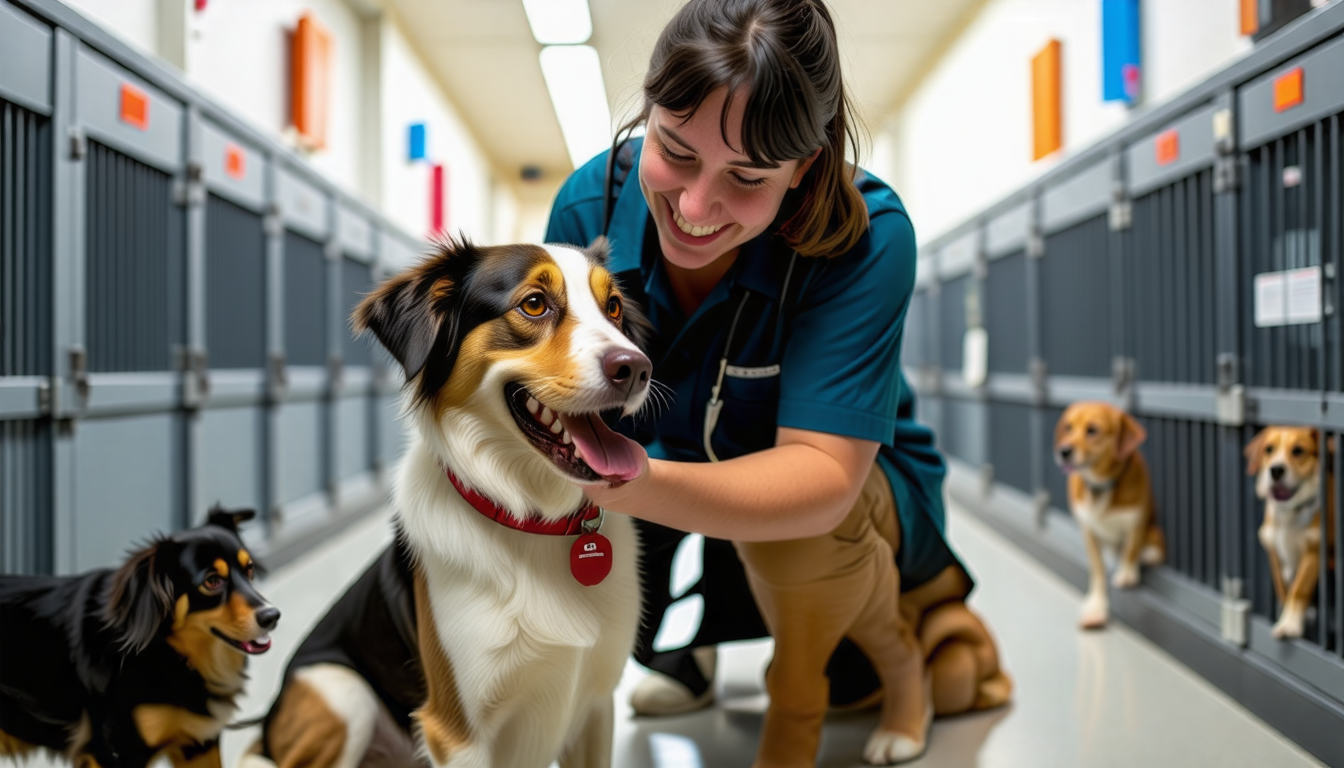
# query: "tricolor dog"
{"type": "Point", "coordinates": [496, 628]}
{"type": "Point", "coordinates": [1286, 463]}
{"type": "Point", "coordinates": [1111, 497]}
{"type": "Point", "coordinates": [114, 668]}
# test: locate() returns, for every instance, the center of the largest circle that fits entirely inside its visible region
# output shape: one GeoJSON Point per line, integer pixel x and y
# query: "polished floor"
{"type": "Point", "coordinates": [1082, 700]}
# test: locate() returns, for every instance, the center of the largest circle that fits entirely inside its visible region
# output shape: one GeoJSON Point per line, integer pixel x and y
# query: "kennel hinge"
{"type": "Point", "coordinates": [1122, 379]}
{"type": "Point", "coordinates": [1121, 212]}
{"type": "Point", "coordinates": [190, 190]}
{"type": "Point", "coordinates": [1236, 613]}
{"type": "Point", "coordinates": [79, 373]}
{"type": "Point", "coordinates": [273, 223]}
{"type": "Point", "coordinates": [195, 367]}
{"type": "Point", "coordinates": [1035, 241]}
{"type": "Point", "coordinates": [79, 145]}
{"type": "Point", "coordinates": [277, 382]}
{"type": "Point", "coordinates": [1039, 371]}
{"type": "Point", "coordinates": [1231, 396]}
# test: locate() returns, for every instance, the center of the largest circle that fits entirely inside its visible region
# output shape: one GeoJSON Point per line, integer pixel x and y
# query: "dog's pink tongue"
{"type": "Point", "coordinates": [614, 457]}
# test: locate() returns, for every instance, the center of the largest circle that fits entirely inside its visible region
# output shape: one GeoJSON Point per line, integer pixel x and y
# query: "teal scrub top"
{"type": "Point", "coordinates": [816, 347]}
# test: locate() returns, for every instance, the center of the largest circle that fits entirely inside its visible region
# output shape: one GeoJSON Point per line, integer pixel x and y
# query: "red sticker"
{"type": "Point", "coordinates": [590, 559]}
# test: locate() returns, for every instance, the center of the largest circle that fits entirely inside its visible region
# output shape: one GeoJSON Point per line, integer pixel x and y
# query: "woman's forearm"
{"type": "Point", "coordinates": [792, 491]}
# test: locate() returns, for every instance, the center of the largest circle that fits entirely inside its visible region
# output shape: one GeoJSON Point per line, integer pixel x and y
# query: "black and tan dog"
{"type": "Point", "coordinates": [113, 668]}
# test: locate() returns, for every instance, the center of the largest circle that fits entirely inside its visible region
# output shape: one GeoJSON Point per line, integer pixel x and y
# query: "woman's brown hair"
{"type": "Point", "coordinates": [782, 54]}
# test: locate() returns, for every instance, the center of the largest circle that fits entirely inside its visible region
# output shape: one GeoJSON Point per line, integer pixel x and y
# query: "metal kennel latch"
{"type": "Point", "coordinates": [1236, 613]}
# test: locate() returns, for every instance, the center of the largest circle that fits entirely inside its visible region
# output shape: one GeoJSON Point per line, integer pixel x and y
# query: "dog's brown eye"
{"type": "Point", "coordinates": [213, 582]}
{"type": "Point", "coordinates": [1269, 450]}
{"type": "Point", "coordinates": [1297, 450]}
{"type": "Point", "coordinates": [251, 571]}
{"type": "Point", "coordinates": [614, 307]}
{"type": "Point", "coordinates": [1091, 430]}
{"type": "Point", "coordinates": [533, 306]}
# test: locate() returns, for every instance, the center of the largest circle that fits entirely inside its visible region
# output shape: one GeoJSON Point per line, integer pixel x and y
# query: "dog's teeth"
{"type": "Point", "coordinates": [565, 438]}
{"type": "Point", "coordinates": [578, 452]}
{"type": "Point", "coordinates": [546, 416]}
{"type": "Point", "coordinates": [557, 427]}
{"type": "Point", "coordinates": [533, 405]}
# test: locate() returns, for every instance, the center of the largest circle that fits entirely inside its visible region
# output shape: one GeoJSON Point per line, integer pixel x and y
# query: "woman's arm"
{"type": "Point", "coordinates": [802, 487]}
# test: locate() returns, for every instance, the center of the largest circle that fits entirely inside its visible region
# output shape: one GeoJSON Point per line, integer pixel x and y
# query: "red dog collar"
{"type": "Point", "coordinates": [565, 526]}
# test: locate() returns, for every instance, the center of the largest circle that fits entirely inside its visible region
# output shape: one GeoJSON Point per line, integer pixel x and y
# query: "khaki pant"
{"type": "Point", "coordinates": [929, 650]}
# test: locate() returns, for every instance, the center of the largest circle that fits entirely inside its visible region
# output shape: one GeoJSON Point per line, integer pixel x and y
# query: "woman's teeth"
{"type": "Point", "coordinates": [548, 419]}
{"type": "Point", "coordinates": [685, 226]}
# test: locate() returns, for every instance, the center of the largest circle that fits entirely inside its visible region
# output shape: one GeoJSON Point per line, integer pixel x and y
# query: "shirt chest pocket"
{"type": "Point", "coordinates": [751, 384]}
{"type": "Point", "coordinates": [750, 407]}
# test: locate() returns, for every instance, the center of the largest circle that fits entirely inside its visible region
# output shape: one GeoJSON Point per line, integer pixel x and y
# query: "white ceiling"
{"type": "Point", "coordinates": [483, 54]}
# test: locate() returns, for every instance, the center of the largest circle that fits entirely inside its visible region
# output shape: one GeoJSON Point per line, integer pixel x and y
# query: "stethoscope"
{"type": "Point", "coordinates": [715, 405]}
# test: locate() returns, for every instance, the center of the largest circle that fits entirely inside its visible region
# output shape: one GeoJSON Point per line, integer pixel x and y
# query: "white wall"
{"type": "Point", "coordinates": [963, 139]}
{"type": "Point", "coordinates": [238, 52]}
{"type": "Point", "coordinates": [135, 21]}
{"type": "Point", "coordinates": [241, 56]}
{"type": "Point", "coordinates": [410, 95]}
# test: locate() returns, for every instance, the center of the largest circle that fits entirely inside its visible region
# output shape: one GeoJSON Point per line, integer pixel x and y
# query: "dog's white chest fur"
{"type": "Point", "coordinates": [1287, 534]}
{"type": "Point", "coordinates": [531, 648]}
{"type": "Point", "coordinates": [1110, 524]}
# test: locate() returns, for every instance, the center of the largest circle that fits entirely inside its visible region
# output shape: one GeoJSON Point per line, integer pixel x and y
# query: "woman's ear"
{"type": "Point", "coordinates": [804, 166]}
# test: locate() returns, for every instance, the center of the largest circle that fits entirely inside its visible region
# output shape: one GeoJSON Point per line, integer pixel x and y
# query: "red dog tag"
{"type": "Point", "coordinates": [590, 559]}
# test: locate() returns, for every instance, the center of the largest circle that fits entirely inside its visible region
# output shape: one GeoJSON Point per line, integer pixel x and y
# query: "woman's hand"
{"type": "Point", "coordinates": [802, 487]}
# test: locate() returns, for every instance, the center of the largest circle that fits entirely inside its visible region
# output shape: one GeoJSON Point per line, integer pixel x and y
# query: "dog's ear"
{"type": "Point", "coordinates": [599, 251]}
{"type": "Point", "coordinates": [229, 518]}
{"type": "Point", "coordinates": [1253, 451]}
{"type": "Point", "coordinates": [141, 595]}
{"type": "Point", "coordinates": [411, 311]}
{"type": "Point", "coordinates": [1132, 435]}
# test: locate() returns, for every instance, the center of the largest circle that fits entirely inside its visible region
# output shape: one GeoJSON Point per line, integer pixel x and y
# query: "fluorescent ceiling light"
{"type": "Point", "coordinates": [559, 22]}
{"type": "Point", "coordinates": [574, 78]}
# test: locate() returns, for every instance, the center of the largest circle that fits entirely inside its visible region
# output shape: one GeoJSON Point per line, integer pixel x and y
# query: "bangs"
{"type": "Point", "coordinates": [785, 117]}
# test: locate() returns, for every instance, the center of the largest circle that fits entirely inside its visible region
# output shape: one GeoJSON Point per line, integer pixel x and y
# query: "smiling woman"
{"type": "Point", "coordinates": [776, 276]}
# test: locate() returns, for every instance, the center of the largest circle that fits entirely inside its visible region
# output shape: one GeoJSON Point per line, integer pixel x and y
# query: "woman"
{"type": "Point", "coordinates": [776, 278]}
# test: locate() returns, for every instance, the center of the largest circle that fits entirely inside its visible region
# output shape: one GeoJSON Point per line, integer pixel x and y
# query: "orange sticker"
{"type": "Point", "coordinates": [1168, 146]}
{"type": "Point", "coordinates": [235, 161]}
{"type": "Point", "coordinates": [1288, 90]}
{"type": "Point", "coordinates": [134, 106]}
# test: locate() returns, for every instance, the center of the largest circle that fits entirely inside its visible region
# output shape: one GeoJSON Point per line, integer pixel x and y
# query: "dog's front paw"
{"type": "Point", "coordinates": [1289, 625]}
{"type": "Point", "coordinates": [1126, 576]}
{"type": "Point", "coordinates": [889, 748]}
{"type": "Point", "coordinates": [1095, 613]}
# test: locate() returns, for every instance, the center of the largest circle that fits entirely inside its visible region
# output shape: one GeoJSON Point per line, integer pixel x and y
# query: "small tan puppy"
{"type": "Point", "coordinates": [1111, 497]}
{"type": "Point", "coordinates": [1286, 464]}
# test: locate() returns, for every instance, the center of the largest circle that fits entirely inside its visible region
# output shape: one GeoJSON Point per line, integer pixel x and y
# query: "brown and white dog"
{"type": "Point", "coordinates": [1111, 497]}
{"type": "Point", "coordinates": [471, 642]}
{"type": "Point", "coordinates": [1286, 463]}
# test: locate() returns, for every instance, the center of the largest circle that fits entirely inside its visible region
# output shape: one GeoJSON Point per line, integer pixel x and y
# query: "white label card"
{"type": "Point", "coordinates": [1304, 295]}
{"type": "Point", "coordinates": [1271, 306]}
{"type": "Point", "coordinates": [1288, 298]}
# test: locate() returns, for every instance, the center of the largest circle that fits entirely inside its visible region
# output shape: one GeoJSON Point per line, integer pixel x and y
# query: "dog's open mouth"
{"type": "Point", "coordinates": [580, 444]}
{"type": "Point", "coordinates": [1282, 492]}
{"type": "Point", "coordinates": [260, 645]}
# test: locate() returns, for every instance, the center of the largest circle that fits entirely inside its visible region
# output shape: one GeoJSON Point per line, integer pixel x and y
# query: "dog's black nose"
{"type": "Point", "coordinates": [1065, 452]}
{"type": "Point", "coordinates": [267, 617]}
{"type": "Point", "coordinates": [1277, 471]}
{"type": "Point", "coordinates": [625, 368]}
